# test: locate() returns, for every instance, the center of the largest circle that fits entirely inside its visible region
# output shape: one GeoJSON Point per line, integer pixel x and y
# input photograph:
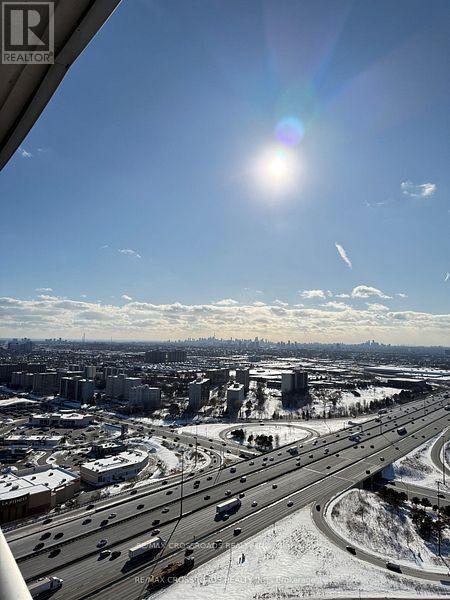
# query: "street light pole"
{"type": "Point", "coordinates": [181, 489]}
{"type": "Point", "coordinates": [439, 519]}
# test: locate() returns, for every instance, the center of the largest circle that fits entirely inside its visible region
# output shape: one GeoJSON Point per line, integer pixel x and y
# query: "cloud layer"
{"type": "Point", "coordinates": [325, 321]}
{"type": "Point", "coordinates": [418, 190]}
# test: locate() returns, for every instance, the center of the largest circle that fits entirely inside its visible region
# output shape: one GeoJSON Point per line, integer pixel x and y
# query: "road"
{"type": "Point", "coordinates": [324, 467]}
{"type": "Point", "coordinates": [436, 452]}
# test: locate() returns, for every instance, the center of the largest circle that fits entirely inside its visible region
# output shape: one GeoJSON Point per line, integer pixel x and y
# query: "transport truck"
{"type": "Point", "coordinates": [44, 585]}
{"type": "Point", "coordinates": [151, 545]}
{"type": "Point", "coordinates": [227, 506]}
{"type": "Point", "coordinates": [169, 574]}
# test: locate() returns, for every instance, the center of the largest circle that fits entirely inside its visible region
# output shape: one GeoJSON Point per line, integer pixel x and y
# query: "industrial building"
{"type": "Point", "coordinates": [121, 467]}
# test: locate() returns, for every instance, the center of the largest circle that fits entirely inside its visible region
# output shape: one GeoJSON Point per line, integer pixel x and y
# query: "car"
{"type": "Point", "coordinates": [54, 552]}
{"type": "Point", "coordinates": [290, 503]}
{"type": "Point", "coordinates": [254, 503]}
{"type": "Point", "coordinates": [169, 492]}
{"type": "Point", "coordinates": [59, 535]}
{"type": "Point", "coordinates": [243, 479]}
{"type": "Point", "coordinates": [233, 470]}
{"type": "Point", "coordinates": [155, 531]}
{"type": "Point", "coordinates": [104, 553]}
{"type": "Point", "coordinates": [237, 531]}
{"type": "Point", "coordinates": [104, 522]}
{"type": "Point", "coordinates": [251, 463]}
{"type": "Point", "coordinates": [242, 495]}
{"type": "Point", "coordinates": [165, 510]}
{"type": "Point", "coordinates": [209, 478]}
{"type": "Point", "coordinates": [87, 521]}
{"type": "Point", "coordinates": [45, 535]}
{"type": "Point", "coordinates": [156, 522]}
{"type": "Point", "coordinates": [102, 543]}
{"type": "Point", "coordinates": [140, 506]}
{"type": "Point", "coordinates": [218, 543]}
{"type": "Point", "coordinates": [47, 521]}
{"type": "Point", "coordinates": [274, 486]}
{"type": "Point", "coordinates": [207, 497]}
{"type": "Point", "coordinates": [318, 507]}
{"type": "Point", "coordinates": [350, 549]}
{"type": "Point", "coordinates": [112, 516]}
{"type": "Point", "coordinates": [189, 550]}
{"type": "Point", "coordinates": [90, 507]}
{"type": "Point", "coordinates": [227, 492]}
{"type": "Point", "coordinates": [39, 546]}
{"type": "Point", "coordinates": [393, 567]}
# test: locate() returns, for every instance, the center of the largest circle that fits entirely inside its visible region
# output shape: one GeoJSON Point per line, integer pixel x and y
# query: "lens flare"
{"type": "Point", "coordinates": [290, 131]}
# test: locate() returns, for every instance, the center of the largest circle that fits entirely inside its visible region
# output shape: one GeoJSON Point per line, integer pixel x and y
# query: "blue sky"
{"type": "Point", "coordinates": [159, 143]}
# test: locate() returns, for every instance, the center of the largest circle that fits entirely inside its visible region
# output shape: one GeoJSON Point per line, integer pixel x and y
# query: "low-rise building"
{"type": "Point", "coordinates": [116, 468]}
{"type": "Point", "coordinates": [67, 420]}
{"type": "Point", "coordinates": [34, 491]}
{"type": "Point", "coordinates": [31, 441]}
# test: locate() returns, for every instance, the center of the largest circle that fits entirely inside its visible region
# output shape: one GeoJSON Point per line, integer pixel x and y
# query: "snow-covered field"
{"type": "Point", "coordinates": [417, 467]}
{"type": "Point", "coordinates": [293, 560]}
{"type": "Point", "coordinates": [356, 516]}
{"type": "Point", "coordinates": [281, 433]}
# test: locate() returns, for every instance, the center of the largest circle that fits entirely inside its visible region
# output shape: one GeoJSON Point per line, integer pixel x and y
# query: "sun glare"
{"type": "Point", "coordinates": [277, 170]}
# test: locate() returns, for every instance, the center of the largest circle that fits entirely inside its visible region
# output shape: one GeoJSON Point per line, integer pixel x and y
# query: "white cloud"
{"type": "Point", "coordinates": [309, 294]}
{"type": "Point", "coordinates": [44, 289]}
{"type": "Point", "coordinates": [342, 295]}
{"type": "Point", "coordinates": [51, 316]}
{"type": "Point", "coordinates": [447, 276]}
{"type": "Point", "coordinates": [83, 295]}
{"type": "Point", "coordinates": [401, 295]}
{"type": "Point", "coordinates": [104, 246]}
{"type": "Point", "coordinates": [366, 291]}
{"type": "Point", "coordinates": [343, 254]}
{"type": "Point", "coordinates": [418, 190]}
{"type": "Point", "coordinates": [129, 252]}
{"type": "Point", "coordinates": [226, 302]}
{"type": "Point", "coordinates": [127, 298]}
{"type": "Point", "coordinates": [24, 153]}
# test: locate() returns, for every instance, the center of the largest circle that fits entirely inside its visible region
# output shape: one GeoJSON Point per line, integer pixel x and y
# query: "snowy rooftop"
{"type": "Point", "coordinates": [121, 460]}
{"type": "Point", "coordinates": [16, 400]}
{"type": "Point", "coordinates": [14, 484]}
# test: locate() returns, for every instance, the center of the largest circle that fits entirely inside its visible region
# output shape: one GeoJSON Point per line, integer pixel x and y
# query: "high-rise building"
{"type": "Point", "coordinates": [243, 376]}
{"type": "Point", "coordinates": [145, 397]}
{"type": "Point", "coordinates": [235, 397]}
{"type": "Point", "coordinates": [45, 384]}
{"type": "Point", "coordinates": [218, 376]}
{"type": "Point", "coordinates": [90, 371]}
{"type": "Point", "coordinates": [155, 356]}
{"type": "Point", "coordinates": [199, 393]}
{"type": "Point", "coordinates": [176, 355]}
{"type": "Point", "coordinates": [23, 346]}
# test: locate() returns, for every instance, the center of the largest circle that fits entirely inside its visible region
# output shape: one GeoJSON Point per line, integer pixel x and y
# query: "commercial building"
{"type": "Point", "coordinates": [33, 491]}
{"type": "Point", "coordinates": [199, 393]}
{"type": "Point", "coordinates": [66, 420]}
{"type": "Point", "coordinates": [102, 449]}
{"type": "Point", "coordinates": [145, 397]}
{"type": "Point", "coordinates": [31, 441]}
{"type": "Point", "coordinates": [121, 467]}
{"type": "Point", "coordinates": [243, 376]}
{"type": "Point", "coordinates": [235, 397]}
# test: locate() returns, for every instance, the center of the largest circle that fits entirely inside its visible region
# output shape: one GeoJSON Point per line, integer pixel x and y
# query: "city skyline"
{"type": "Point", "coordinates": [249, 169]}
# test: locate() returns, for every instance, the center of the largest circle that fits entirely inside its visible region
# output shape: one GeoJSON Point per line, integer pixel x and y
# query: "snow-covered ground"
{"type": "Point", "coordinates": [356, 516]}
{"type": "Point", "coordinates": [281, 433]}
{"type": "Point", "coordinates": [293, 560]}
{"type": "Point", "coordinates": [417, 467]}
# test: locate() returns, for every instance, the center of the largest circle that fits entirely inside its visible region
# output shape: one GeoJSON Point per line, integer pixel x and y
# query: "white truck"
{"type": "Point", "coordinates": [228, 505]}
{"type": "Point", "coordinates": [43, 585]}
{"type": "Point", "coordinates": [154, 543]}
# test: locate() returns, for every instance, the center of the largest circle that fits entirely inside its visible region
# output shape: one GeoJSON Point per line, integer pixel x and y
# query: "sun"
{"type": "Point", "coordinates": [277, 170]}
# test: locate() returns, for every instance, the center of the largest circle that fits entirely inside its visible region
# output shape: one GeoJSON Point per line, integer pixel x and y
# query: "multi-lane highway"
{"type": "Point", "coordinates": [271, 487]}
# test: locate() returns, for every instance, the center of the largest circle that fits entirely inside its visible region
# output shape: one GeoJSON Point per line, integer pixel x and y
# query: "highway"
{"type": "Point", "coordinates": [324, 467]}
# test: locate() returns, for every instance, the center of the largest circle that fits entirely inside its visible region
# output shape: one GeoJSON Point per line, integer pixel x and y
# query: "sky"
{"type": "Point", "coordinates": [240, 168]}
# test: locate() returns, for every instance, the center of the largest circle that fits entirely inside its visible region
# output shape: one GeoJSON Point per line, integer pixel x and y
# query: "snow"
{"type": "Point", "coordinates": [356, 516]}
{"type": "Point", "coordinates": [418, 468]}
{"type": "Point", "coordinates": [292, 559]}
{"type": "Point", "coordinates": [282, 434]}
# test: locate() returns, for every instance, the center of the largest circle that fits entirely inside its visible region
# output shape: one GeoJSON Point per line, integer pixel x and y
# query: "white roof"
{"type": "Point", "coordinates": [13, 484]}
{"type": "Point", "coordinates": [124, 459]}
{"type": "Point", "coordinates": [15, 400]}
